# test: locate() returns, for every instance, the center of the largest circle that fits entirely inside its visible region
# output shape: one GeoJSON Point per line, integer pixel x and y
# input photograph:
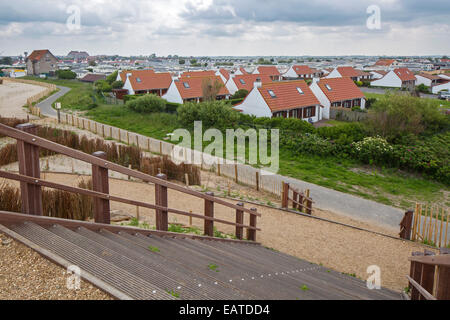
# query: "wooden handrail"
{"type": "Point", "coordinates": [440, 260]}
{"type": "Point", "coordinates": [52, 146]}
{"type": "Point", "coordinates": [421, 290]}
{"type": "Point", "coordinates": [53, 185]}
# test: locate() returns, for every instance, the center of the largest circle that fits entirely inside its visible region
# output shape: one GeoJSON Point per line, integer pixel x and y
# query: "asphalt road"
{"type": "Point", "coordinates": [46, 105]}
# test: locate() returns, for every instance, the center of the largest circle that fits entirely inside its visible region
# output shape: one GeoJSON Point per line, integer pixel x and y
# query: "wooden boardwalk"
{"type": "Point", "coordinates": [133, 264]}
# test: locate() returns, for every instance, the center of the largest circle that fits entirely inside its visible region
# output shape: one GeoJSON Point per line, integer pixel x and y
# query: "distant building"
{"type": "Point", "coordinates": [41, 62]}
{"type": "Point", "coordinates": [245, 82]}
{"type": "Point", "coordinates": [302, 72]}
{"type": "Point", "coordinates": [397, 78]}
{"type": "Point", "coordinates": [91, 77]}
{"type": "Point", "coordinates": [271, 71]}
{"type": "Point", "coordinates": [78, 55]}
{"type": "Point", "coordinates": [350, 72]}
{"type": "Point", "coordinates": [145, 81]}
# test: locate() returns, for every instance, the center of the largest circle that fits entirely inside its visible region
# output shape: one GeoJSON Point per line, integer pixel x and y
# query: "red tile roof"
{"type": "Point", "coordinates": [383, 73]}
{"type": "Point", "coordinates": [249, 80]}
{"type": "Point", "coordinates": [243, 70]}
{"type": "Point", "coordinates": [208, 73]}
{"type": "Point", "coordinates": [349, 72]}
{"type": "Point", "coordinates": [269, 70]}
{"type": "Point", "coordinates": [93, 77]}
{"type": "Point", "coordinates": [300, 70]}
{"type": "Point", "coordinates": [341, 89]}
{"type": "Point", "coordinates": [405, 74]}
{"type": "Point", "coordinates": [287, 95]}
{"type": "Point", "coordinates": [195, 89]}
{"type": "Point", "coordinates": [429, 76]}
{"type": "Point", "coordinates": [384, 62]}
{"type": "Point", "coordinates": [225, 73]}
{"type": "Point", "coordinates": [123, 73]}
{"type": "Point", "coordinates": [37, 55]}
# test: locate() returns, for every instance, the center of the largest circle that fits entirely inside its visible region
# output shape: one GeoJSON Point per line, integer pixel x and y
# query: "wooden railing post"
{"type": "Point", "coordinates": [443, 283]}
{"type": "Point", "coordinates": [100, 183]}
{"type": "Point", "coordinates": [240, 220]}
{"type": "Point", "coordinates": [427, 278]}
{"type": "Point", "coordinates": [257, 180]}
{"type": "Point", "coordinates": [162, 219]}
{"type": "Point", "coordinates": [28, 155]}
{"type": "Point", "coordinates": [209, 212]}
{"type": "Point", "coordinates": [295, 198]}
{"type": "Point", "coordinates": [251, 233]}
{"type": "Point", "coordinates": [406, 225]}
{"type": "Point", "coordinates": [285, 196]}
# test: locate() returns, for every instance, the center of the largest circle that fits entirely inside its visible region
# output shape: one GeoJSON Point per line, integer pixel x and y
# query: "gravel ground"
{"type": "Point", "coordinates": [14, 95]}
{"type": "Point", "coordinates": [334, 246]}
{"type": "Point", "coordinates": [25, 275]}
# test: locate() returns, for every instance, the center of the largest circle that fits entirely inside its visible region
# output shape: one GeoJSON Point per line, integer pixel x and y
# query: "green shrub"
{"type": "Point", "coordinates": [359, 83]}
{"type": "Point", "coordinates": [117, 84]}
{"type": "Point", "coordinates": [147, 104]}
{"type": "Point", "coordinates": [112, 77]}
{"type": "Point", "coordinates": [102, 86]}
{"type": "Point", "coordinates": [66, 74]}
{"type": "Point", "coordinates": [213, 114]}
{"type": "Point", "coordinates": [240, 94]}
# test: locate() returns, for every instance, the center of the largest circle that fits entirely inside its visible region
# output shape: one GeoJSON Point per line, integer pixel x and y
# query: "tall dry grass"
{"type": "Point", "coordinates": [120, 154]}
{"type": "Point", "coordinates": [56, 203]}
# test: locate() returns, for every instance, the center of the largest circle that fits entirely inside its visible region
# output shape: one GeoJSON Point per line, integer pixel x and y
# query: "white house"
{"type": "Point", "coordinates": [428, 80]}
{"type": "Point", "coordinates": [223, 74]}
{"type": "Point", "coordinates": [190, 89]}
{"type": "Point", "coordinates": [302, 72]}
{"type": "Point", "coordinates": [441, 87]}
{"type": "Point", "coordinates": [378, 74]}
{"type": "Point", "coordinates": [246, 81]}
{"type": "Point", "coordinates": [350, 72]}
{"type": "Point", "coordinates": [146, 81]}
{"type": "Point", "coordinates": [271, 71]}
{"type": "Point", "coordinates": [397, 78]}
{"type": "Point", "coordinates": [287, 99]}
{"type": "Point", "coordinates": [337, 93]}
{"type": "Point", "coordinates": [17, 73]}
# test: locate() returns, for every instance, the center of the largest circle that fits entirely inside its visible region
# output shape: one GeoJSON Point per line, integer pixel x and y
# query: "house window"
{"type": "Point", "coordinates": [242, 81]}
{"type": "Point", "coordinates": [328, 87]}
{"type": "Point", "coordinates": [309, 112]}
{"type": "Point", "coordinates": [138, 80]}
{"type": "Point", "coordinates": [186, 85]}
{"type": "Point", "coordinates": [272, 94]}
{"type": "Point", "coordinates": [300, 91]}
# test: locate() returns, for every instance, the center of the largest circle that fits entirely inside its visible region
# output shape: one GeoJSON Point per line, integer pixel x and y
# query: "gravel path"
{"type": "Point", "coordinates": [14, 95]}
{"type": "Point", "coordinates": [25, 275]}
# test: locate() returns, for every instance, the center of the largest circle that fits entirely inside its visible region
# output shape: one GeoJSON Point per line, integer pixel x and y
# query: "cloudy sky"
{"type": "Point", "coordinates": [226, 27]}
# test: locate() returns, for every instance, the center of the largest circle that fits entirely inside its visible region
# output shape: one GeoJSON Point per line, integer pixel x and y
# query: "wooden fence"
{"type": "Point", "coordinates": [427, 224]}
{"type": "Point", "coordinates": [300, 201]}
{"type": "Point", "coordinates": [429, 276]}
{"type": "Point", "coordinates": [28, 145]}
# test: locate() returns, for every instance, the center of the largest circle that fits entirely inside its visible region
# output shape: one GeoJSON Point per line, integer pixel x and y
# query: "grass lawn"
{"type": "Point", "coordinates": [388, 186]}
{"type": "Point", "coordinates": [439, 103]}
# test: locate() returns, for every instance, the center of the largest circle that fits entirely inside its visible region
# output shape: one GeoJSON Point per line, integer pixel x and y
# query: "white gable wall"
{"type": "Point", "coordinates": [445, 86]}
{"type": "Point", "coordinates": [231, 86]}
{"type": "Point", "coordinates": [128, 86]}
{"type": "Point", "coordinates": [322, 99]}
{"type": "Point", "coordinates": [255, 105]}
{"type": "Point", "coordinates": [173, 95]}
{"type": "Point", "coordinates": [389, 80]}
{"type": "Point", "coordinates": [334, 74]}
{"type": "Point", "coordinates": [291, 73]}
{"type": "Point", "coordinates": [422, 80]}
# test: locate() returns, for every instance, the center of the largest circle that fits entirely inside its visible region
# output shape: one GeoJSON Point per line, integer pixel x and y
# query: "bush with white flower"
{"type": "Point", "coordinates": [373, 149]}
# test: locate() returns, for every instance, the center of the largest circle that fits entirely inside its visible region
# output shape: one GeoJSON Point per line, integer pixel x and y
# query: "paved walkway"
{"type": "Point", "coordinates": [46, 105]}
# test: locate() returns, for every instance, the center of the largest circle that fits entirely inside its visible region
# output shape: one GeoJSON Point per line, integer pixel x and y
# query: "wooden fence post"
{"type": "Point", "coordinates": [240, 220]}
{"type": "Point", "coordinates": [28, 155]}
{"type": "Point", "coordinates": [162, 219]}
{"type": "Point", "coordinates": [100, 183]}
{"type": "Point", "coordinates": [236, 178]}
{"type": "Point", "coordinates": [209, 212]}
{"type": "Point", "coordinates": [308, 202]}
{"type": "Point", "coordinates": [427, 278]}
{"type": "Point", "coordinates": [285, 196]}
{"type": "Point", "coordinates": [443, 283]}
{"type": "Point", "coordinates": [406, 225]}
{"type": "Point", "coordinates": [257, 180]}
{"type": "Point", "coordinates": [251, 234]}
{"type": "Point", "coordinates": [295, 198]}
{"type": "Point", "coordinates": [218, 168]}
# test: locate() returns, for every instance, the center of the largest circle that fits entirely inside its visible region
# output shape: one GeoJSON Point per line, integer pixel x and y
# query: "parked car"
{"type": "Point", "coordinates": [444, 95]}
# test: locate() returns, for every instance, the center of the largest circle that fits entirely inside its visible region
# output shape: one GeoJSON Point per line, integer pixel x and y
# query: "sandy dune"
{"type": "Point", "coordinates": [13, 96]}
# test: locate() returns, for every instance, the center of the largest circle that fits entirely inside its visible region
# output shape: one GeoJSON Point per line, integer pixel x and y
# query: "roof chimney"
{"type": "Point", "coordinates": [258, 83]}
